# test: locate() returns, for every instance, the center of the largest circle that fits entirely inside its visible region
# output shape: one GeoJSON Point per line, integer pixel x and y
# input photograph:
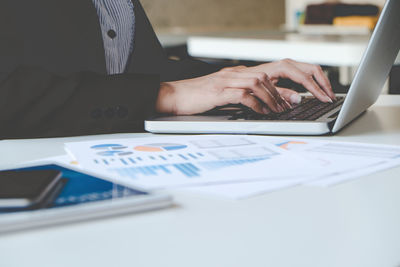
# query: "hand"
{"type": "Point", "coordinates": [253, 87]}
{"type": "Point", "coordinates": [228, 86]}
{"type": "Point", "coordinates": [310, 76]}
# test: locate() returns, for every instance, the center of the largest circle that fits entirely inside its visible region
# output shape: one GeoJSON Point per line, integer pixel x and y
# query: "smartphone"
{"type": "Point", "coordinates": [23, 189]}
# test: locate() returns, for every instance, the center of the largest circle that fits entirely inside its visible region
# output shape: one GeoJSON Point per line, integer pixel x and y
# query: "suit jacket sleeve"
{"type": "Point", "coordinates": [37, 103]}
{"type": "Point", "coordinates": [45, 92]}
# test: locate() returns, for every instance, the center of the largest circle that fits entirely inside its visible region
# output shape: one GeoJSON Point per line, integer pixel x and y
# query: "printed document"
{"type": "Point", "coordinates": [341, 161]}
{"type": "Point", "coordinates": [228, 166]}
{"type": "Point", "coordinates": [164, 162]}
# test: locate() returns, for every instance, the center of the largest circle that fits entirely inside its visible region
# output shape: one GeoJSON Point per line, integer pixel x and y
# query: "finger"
{"type": "Point", "coordinates": [265, 84]}
{"type": "Point", "coordinates": [263, 77]}
{"type": "Point", "coordinates": [257, 89]}
{"type": "Point", "coordinates": [292, 96]}
{"type": "Point", "coordinates": [320, 77]}
{"type": "Point", "coordinates": [290, 71]}
{"type": "Point", "coordinates": [274, 81]}
{"type": "Point", "coordinates": [282, 101]}
{"type": "Point", "coordinates": [242, 96]}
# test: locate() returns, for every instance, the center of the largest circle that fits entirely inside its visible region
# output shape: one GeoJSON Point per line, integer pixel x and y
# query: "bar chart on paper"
{"type": "Point", "coordinates": [169, 158]}
{"type": "Point", "coordinates": [189, 170]}
{"type": "Point", "coordinates": [181, 159]}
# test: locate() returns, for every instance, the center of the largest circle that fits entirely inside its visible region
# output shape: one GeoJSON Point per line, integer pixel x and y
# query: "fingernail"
{"type": "Point", "coordinates": [295, 99]}
{"type": "Point", "coordinates": [333, 97]}
{"type": "Point", "coordinates": [265, 110]}
{"type": "Point", "coordinates": [328, 99]}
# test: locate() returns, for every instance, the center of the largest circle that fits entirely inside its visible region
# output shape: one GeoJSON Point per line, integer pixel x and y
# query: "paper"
{"type": "Point", "coordinates": [165, 162]}
{"type": "Point", "coordinates": [234, 190]}
{"type": "Point", "coordinates": [342, 161]}
{"type": "Point", "coordinates": [334, 162]}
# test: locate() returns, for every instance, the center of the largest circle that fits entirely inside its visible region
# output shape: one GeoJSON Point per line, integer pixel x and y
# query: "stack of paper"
{"type": "Point", "coordinates": [229, 166]}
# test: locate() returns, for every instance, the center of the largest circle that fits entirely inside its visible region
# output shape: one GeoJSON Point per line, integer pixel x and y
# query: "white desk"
{"type": "Point", "coordinates": [353, 224]}
{"type": "Point", "coordinates": [170, 39]}
{"type": "Point", "coordinates": [330, 50]}
{"type": "Point", "coordinates": [343, 50]}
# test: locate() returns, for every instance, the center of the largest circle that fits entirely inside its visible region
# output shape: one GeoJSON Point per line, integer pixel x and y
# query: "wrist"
{"type": "Point", "coordinates": [166, 102]}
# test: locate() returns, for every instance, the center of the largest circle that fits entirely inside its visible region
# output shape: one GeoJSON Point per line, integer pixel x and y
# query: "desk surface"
{"type": "Point", "coordinates": [352, 224]}
{"type": "Point", "coordinates": [330, 50]}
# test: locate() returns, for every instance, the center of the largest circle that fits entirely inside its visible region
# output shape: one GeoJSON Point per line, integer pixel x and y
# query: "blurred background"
{"type": "Point", "coordinates": [185, 26]}
{"type": "Point", "coordinates": [214, 15]}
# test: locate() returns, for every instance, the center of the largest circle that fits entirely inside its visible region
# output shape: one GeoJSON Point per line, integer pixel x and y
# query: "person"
{"type": "Point", "coordinates": [82, 67]}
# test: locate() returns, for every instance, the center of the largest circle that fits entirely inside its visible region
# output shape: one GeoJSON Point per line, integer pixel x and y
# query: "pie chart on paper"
{"type": "Point", "coordinates": [162, 147]}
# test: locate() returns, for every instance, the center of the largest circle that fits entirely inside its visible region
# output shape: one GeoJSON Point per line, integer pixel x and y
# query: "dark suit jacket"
{"type": "Point", "coordinates": [53, 78]}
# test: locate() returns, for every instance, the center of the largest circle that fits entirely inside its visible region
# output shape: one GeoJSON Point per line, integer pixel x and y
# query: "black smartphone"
{"type": "Point", "coordinates": [23, 189]}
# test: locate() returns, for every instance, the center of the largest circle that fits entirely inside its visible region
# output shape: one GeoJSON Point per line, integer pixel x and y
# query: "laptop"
{"type": "Point", "coordinates": [310, 117]}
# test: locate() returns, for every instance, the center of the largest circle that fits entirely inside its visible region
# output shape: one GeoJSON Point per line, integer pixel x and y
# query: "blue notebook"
{"type": "Point", "coordinates": [78, 197]}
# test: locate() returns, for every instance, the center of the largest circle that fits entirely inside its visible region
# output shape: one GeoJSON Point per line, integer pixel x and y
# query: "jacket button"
{"type": "Point", "coordinates": [122, 112]}
{"type": "Point", "coordinates": [109, 113]}
{"type": "Point", "coordinates": [96, 113]}
{"type": "Point", "coordinates": [112, 34]}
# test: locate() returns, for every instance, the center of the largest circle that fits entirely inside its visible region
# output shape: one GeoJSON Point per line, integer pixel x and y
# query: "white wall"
{"type": "Point", "coordinates": [299, 5]}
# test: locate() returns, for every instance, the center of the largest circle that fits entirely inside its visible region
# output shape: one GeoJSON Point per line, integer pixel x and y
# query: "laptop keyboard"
{"type": "Point", "coordinates": [309, 109]}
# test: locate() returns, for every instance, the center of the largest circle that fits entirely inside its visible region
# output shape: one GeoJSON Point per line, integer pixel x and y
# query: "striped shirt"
{"type": "Point", "coordinates": [117, 21]}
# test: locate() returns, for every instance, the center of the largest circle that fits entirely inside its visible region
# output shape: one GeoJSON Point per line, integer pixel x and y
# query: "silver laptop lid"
{"type": "Point", "coordinates": [375, 65]}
